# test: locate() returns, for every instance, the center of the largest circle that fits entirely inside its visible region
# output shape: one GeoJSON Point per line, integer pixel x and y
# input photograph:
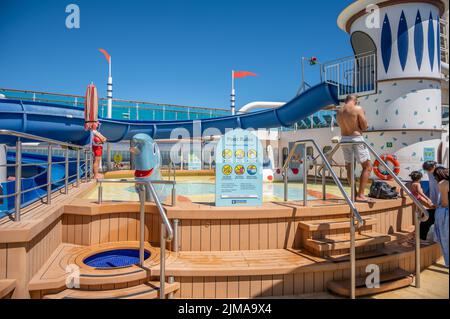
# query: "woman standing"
{"type": "Point", "coordinates": [441, 215]}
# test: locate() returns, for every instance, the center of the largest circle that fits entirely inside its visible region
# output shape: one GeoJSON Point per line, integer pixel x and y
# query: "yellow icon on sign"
{"type": "Point", "coordinates": [117, 158]}
{"type": "Point", "coordinates": [240, 154]}
{"type": "Point", "coordinates": [227, 169]}
{"type": "Point", "coordinates": [239, 170]}
{"type": "Point", "coordinates": [252, 154]}
{"type": "Point", "coordinates": [227, 153]}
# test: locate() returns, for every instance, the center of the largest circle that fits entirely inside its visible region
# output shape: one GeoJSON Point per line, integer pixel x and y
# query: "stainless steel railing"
{"type": "Point", "coordinates": [355, 74]}
{"type": "Point", "coordinates": [134, 181]}
{"type": "Point", "coordinates": [167, 231]}
{"type": "Point", "coordinates": [421, 213]}
{"type": "Point", "coordinates": [305, 171]}
{"type": "Point", "coordinates": [355, 218]}
{"type": "Point", "coordinates": [172, 169]}
{"type": "Point", "coordinates": [51, 143]}
{"type": "Point", "coordinates": [152, 109]}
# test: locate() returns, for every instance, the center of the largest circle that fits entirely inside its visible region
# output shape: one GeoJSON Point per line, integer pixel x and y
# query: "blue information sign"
{"type": "Point", "coordinates": [194, 163]}
{"type": "Point", "coordinates": [239, 175]}
{"type": "Point", "coordinates": [428, 154]}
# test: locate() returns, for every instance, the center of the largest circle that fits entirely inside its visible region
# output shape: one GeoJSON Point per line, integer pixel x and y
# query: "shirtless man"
{"type": "Point", "coordinates": [352, 121]}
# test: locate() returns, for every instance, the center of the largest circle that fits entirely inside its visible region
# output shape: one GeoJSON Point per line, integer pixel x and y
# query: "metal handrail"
{"type": "Point", "coordinates": [361, 67]}
{"type": "Point", "coordinates": [18, 167]}
{"type": "Point", "coordinates": [329, 167]}
{"type": "Point", "coordinates": [402, 185]}
{"type": "Point", "coordinates": [81, 97]}
{"type": "Point", "coordinates": [100, 181]}
{"type": "Point", "coordinates": [167, 232]}
{"type": "Point", "coordinates": [418, 218]}
{"type": "Point", "coordinates": [354, 212]}
{"type": "Point", "coordinates": [360, 55]}
{"type": "Point", "coordinates": [38, 138]}
{"type": "Point", "coordinates": [170, 170]}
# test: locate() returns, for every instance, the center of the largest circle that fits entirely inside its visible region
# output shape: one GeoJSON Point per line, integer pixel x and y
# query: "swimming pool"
{"type": "Point", "coordinates": [197, 189]}
{"type": "Point", "coordinates": [271, 191]}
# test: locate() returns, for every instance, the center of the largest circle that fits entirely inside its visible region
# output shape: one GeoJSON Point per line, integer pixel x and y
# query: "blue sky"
{"type": "Point", "coordinates": [169, 51]}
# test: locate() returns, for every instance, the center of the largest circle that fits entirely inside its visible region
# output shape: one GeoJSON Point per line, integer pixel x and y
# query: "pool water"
{"type": "Point", "coordinates": [115, 258]}
{"type": "Point", "coordinates": [201, 189]}
{"type": "Point", "coordinates": [273, 191]}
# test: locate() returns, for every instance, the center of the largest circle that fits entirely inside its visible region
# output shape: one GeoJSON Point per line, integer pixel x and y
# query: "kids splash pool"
{"type": "Point", "coordinates": [199, 189]}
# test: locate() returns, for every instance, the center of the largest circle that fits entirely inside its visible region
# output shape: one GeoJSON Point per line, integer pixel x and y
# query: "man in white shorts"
{"type": "Point", "coordinates": [352, 121]}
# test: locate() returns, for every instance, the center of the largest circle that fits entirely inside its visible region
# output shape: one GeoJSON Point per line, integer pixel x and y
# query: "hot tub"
{"type": "Point", "coordinates": [115, 258]}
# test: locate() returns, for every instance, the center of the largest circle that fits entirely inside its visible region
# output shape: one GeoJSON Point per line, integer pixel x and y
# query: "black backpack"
{"type": "Point", "coordinates": [382, 190]}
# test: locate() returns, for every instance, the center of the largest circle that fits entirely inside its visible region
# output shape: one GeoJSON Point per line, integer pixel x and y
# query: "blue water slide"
{"type": "Point", "coordinates": [34, 179]}
{"type": "Point", "coordinates": [65, 123]}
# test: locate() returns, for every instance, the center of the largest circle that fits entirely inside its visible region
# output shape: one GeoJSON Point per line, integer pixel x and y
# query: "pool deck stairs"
{"type": "Point", "coordinates": [391, 280]}
{"type": "Point", "coordinates": [7, 287]}
{"type": "Point", "coordinates": [147, 290]}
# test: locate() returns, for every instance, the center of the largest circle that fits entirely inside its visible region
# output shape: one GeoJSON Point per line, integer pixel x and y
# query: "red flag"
{"type": "Point", "coordinates": [107, 56]}
{"type": "Point", "coordinates": [241, 74]}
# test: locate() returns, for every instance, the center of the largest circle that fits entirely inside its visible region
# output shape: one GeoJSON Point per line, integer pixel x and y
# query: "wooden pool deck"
{"type": "Point", "coordinates": [434, 285]}
{"type": "Point", "coordinates": [279, 249]}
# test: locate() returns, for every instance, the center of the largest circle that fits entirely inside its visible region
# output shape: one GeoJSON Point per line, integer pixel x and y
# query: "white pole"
{"type": "Point", "coordinates": [109, 94]}
{"type": "Point", "coordinates": [109, 91]}
{"type": "Point", "coordinates": [233, 94]}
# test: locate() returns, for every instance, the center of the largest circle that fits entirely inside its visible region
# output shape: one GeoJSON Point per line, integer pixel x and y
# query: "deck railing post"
{"type": "Point", "coordinates": [285, 179]}
{"type": "Point", "coordinates": [18, 180]}
{"type": "Point", "coordinates": [176, 244]}
{"type": "Point", "coordinates": [162, 262]}
{"type": "Point", "coordinates": [417, 247]}
{"type": "Point", "coordinates": [141, 224]}
{"type": "Point", "coordinates": [91, 165]}
{"type": "Point", "coordinates": [49, 174]}
{"type": "Point", "coordinates": [66, 172]}
{"type": "Point", "coordinates": [170, 280]}
{"type": "Point", "coordinates": [324, 183]}
{"type": "Point", "coordinates": [175, 248]}
{"type": "Point", "coordinates": [305, 177]}
{"type": "Point", "coordinates": [174, 195]}
{"type": "Point", "coordinates": [352, 230]}
{"type": "Point", "coordinates": [78, 167]}
{"type": "Point", "coordinates": [352, 175]}
{"type": "Point", "coordinates": [86, 166]}
{"type": "Point", "coordinates": [174, 172]}
{"type": "Point", "coordinates": [315, 172]}
{"type": "Point", "coordinates": [100, 193]}
{"type": "Point", "coordinates": [352, 256]}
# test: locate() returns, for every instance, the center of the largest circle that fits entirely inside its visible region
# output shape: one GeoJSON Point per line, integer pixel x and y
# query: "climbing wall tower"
{"type": "Point", "coordinates": [405, 112]}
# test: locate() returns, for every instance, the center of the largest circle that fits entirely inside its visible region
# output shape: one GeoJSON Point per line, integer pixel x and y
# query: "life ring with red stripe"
{"type": "Point", "coordinates": [386, 158]}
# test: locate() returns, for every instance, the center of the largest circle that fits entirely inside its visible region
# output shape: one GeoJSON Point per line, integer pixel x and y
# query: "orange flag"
{"type": "Point", "coordinates": [107, 56]}
{"type": "Point", "coordinates": [241, 74]}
